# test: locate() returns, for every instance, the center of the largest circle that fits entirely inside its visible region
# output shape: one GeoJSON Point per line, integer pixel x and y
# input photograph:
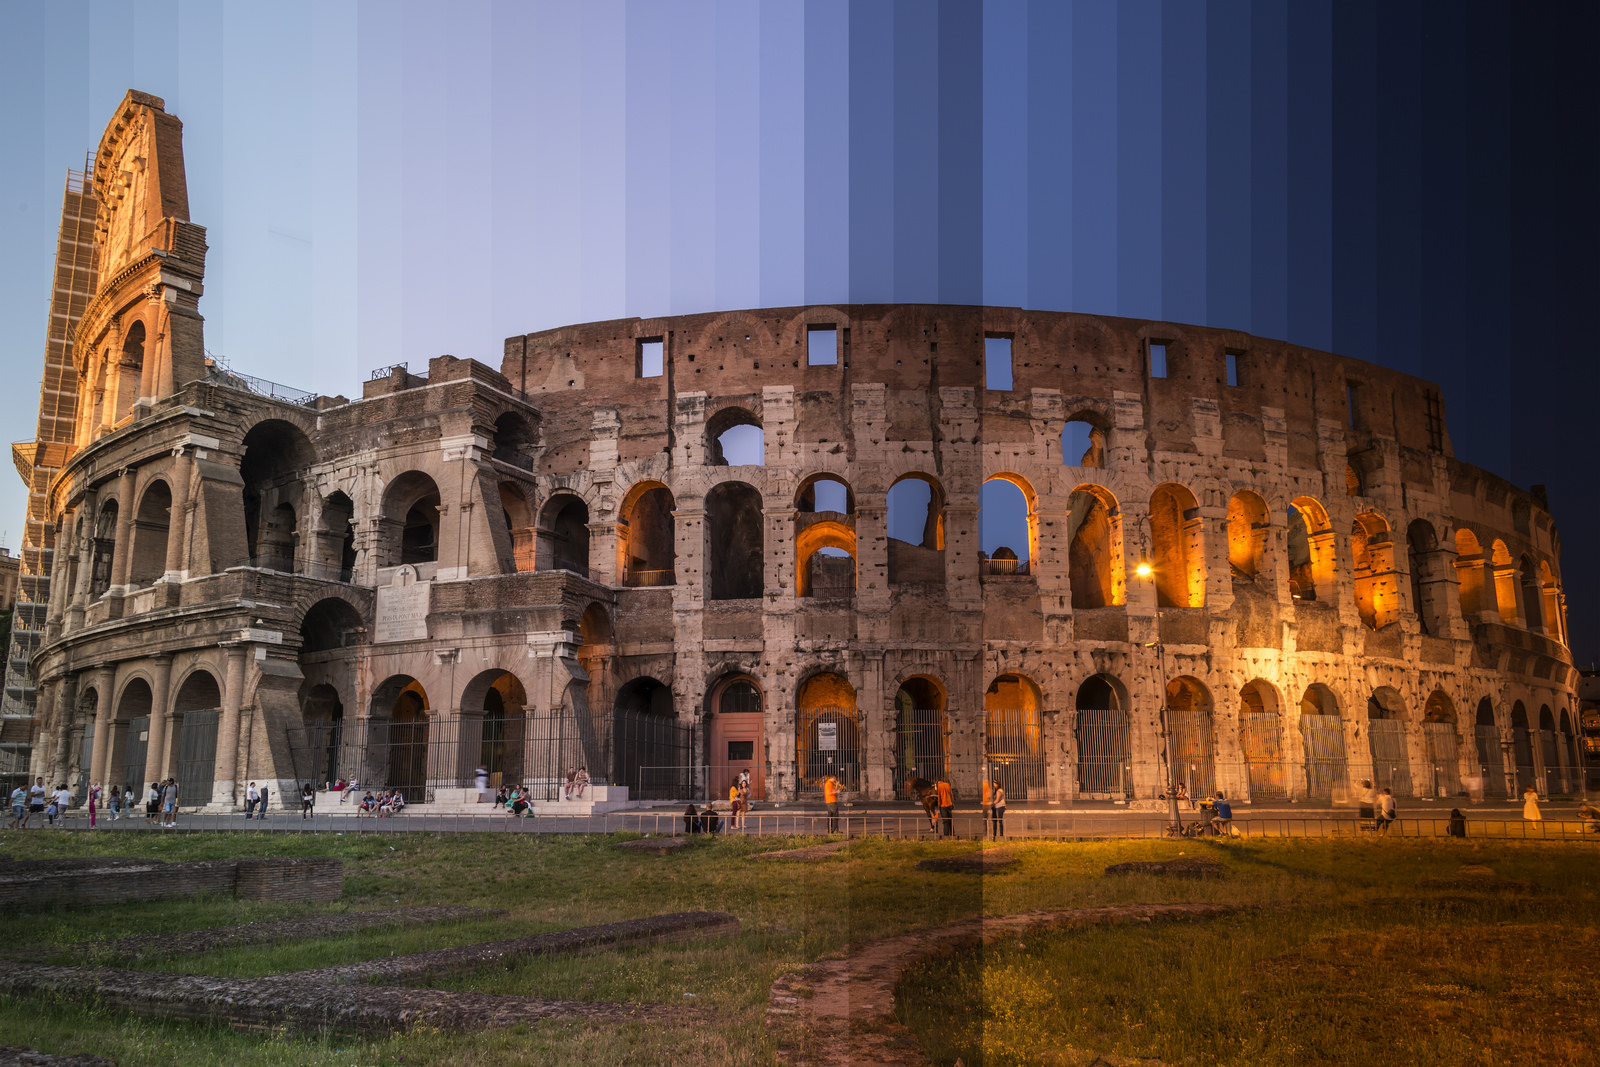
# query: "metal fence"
{"type": "Point", "coordinates": [1013, 747]}
{"type": "Point", "coordinates": [827, 743]}
{"type": "Point", "coordinates": [1325, 767]}
{"type": "Point", "coordinates": [921, 748]}
{"type": "Point", "coordinates": [1193, 753]}
{"type": "Point", "coordinates": [1391, 766]}
{"type": "Point", "coordinates": [1105, 752]}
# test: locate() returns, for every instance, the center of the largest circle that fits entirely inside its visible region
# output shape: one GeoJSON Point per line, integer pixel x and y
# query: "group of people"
{"type": "Point", "coordinates": [696, 821]}
{"type": "Point", "coordinates": [514, 800]}
{"type": "Point", "coordinates": [30, 800]}
{"type": "Point", "coordinates": [577, 783]}
{"type": "Point", "coordinates": [387, 803]}
{"type": "Point", "coordinates": [939, 802]}
{"type": "Point", "coordinates": [739, 800]}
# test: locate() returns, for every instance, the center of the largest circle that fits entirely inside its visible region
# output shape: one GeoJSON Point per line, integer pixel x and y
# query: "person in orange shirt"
{"type": "Point", "coordinates": [988, 798]}
{"type": "Point", "coordinates": [830, 800]}
{"type": "Point", "coordinates": [947, 809]}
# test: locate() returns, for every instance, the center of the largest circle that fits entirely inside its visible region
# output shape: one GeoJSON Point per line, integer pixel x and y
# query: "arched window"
{"type": "Point", "coordinates": [1372, 556]}
{"type": "Point", "coordinates": [1532, 595]}
{"type": "Point", "coordinates": [827, 733]}
{"type": "Point", "coordinates": [1193, 751]}
{"type": "Point", "coordinates": [1310, 545]}
{"type": "Point", "coordinates": [651, 752]}
{"type": "Point", "coordinates": [1247, 534]}
{"type": "Point", "coordinates": [521, 533]}
{"type": "Point", "coordinates": [734, 438]}
{"type": "Point", "coordinates": [563, 539]}
{"type": "Point", "coordinates": [493, 729]}
{"type": "Point", "coordinates": [151, 527]}
{"type": "Point", "coordinates": [1491, 761]}
{"type": "Point", "coordinates": [515, 438]}
{"type": "Point", "coordinates": [133, 718]}
{"type": "Point", "coordinates": [733, 546]}
{"type": "Point", "coordinates": [1177, 548]}
{"type": "Point", "coordinates": [1094, 553]}
{"type": "Point", "coordinates": [411, 519]}
{"type": "Point", "coordinates": [314, 748]}
{"type": "Point", "coordinates": [1439, 731]}
{"type": "Point", "coordinates": [1007, 530]}
{"type": "Point", "coordinates": [825, 539]}
{"type": "Point", "coordinates": [1550, 753]}
{"type": "Point", "coordinates": [1261, 738]}
{"type": "Point", "coordinates": [397, 741]}
{"type": "Point", "coordinates": [1505, 583]}
{"type": "Point", "coordinates": [1427, 577]}
{"type": "Point", "coordinates": [105, 547]}
{"type": "Point", "coordinates": [276, 456]}
{"type": "Point", "coordinates": [916, 530]}
{"type": "Point", "coordinates": [921, 734]}
{"type": "Point", "coordinates": [195, 712]}
{"type": "Point", "coordinates": [330, 624]}
{"type": "Point", "coordinates": [1322, 735]}
{"type": "Point", "coordinates": [1386, 734]}
{"type": "Point", "coordinates": [1013, 736]}
{"type": "Point", "coordinates": [336, 540]}
{"type": "Point", "coordinates": [645, 536]}
{"type": "Point", "coordinates": [1555, 622]}
{"type": "Point", "coordinates": [130, 371]}
{"type": "Point", "coordinates": [1104, 737]}
{"type": "Point", "coordinates": [1083, 441]}
{"type": "Point", "coordinates": [1522, 747]}
{"type": "Point", "coordinates": [1469, 574]}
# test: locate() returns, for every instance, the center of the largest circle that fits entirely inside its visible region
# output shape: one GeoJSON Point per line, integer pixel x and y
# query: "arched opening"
{"type": "Point", "coordinates": [130, 370]}
{"type": "Point", "coordinates": [517, 515]}
{"type": "Point", "coordinates": [336, 539]}
{"type": "Point", "coordinates": [1311, 552]}
{"type": "Point", "coordinates": [827, 733]}
{"type": "Point", "coordinates": [1522, 747]}
{"type": "Point", "coordinates": [649, 751]}
{"type": "Point", "coordinates": [330, 624]}
{"type": "Point", "coordinates": [1322, 736]}
{"type": "Point", "coordinates": [1372, 557]}
{"type": "Point", "coordinates": [411, 519]}
{"type": "Point", "coordinates": [737, 736]}
{"type": "Point", "coordinates": [916, 531]}
{"type": "Point", "coordinates": [1532, 595]}
{"type": "Point", "coordinates": [1505, 582]}
{"type": "Point", "coordinates": [1569, 754]}
{"type": "Point", "coordinates": [493, 729]}
{"type": "Point", "coordinates": [315, 752]}
{"type": "Point", "coordinates": [1491, 760]}
{"type": "Point", "coordinates": [1007, 526]}
{"type": "Point", "coordinates": [1386, 735]}
{"type": "Point", "coordinates": [1469, 574]}
{"type": "Point", "coordinates": [88, 705]}
{"type": "Point", "coordinates": [1555, 622]}
{"type": "Point", "coordinates": [195, 711]}
{"type": "Point", "coordinates": [1193, 751]}
{"type": "Point", "coordinates": [825, 539]}
{"type": "Point", "coordinates": [1013, 736]}
{"type": "Point", "coordinates": [1104, 739]}
{"type": "Point", "coordinates": [823, 494]}
{"type": "Point", "coordinates": [645, 536]}
{"type": "Point", "coordinates": [398, 742]}
{"type": "Point", "coordinates": [1261, 738]}
{"type": "Point", "coordinates": [276, 456]}
{"type": "Point", "coordinates": [1439, 733]}
{"type": "Point", "coordinates": [1427, 577]}
{"type": "Point", "coordinates": [105, 548]}
{"type": "Point", "coordinates": [1550, 753]}
{"type": "Point", "coordinates": [921, 734]}
{"type": "Point", "coordinates": [1094, 554]}
{"type": "Point", "coordinates": [563, 542]}
{"type": "Point", "coordinates": [133, 708]}
{"type": "Point", "coordinates": [1083, 442]}
{"type": "Point", "coordinates": [733, 546]}
{"type": "Point", "coordinates": [151, 527]}
{"type": "Point", "coordinates": [1247, 534]}
{"type": "Point", "coordinates": [1177, 548]}
{"type": "Point", "coordinates": [515, 439]}
{"type": "Point", "coordinates": [734, 439]}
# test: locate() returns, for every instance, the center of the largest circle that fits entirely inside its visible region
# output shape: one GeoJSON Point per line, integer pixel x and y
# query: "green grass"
{"type": "Point", "coordinates": [793, 914]}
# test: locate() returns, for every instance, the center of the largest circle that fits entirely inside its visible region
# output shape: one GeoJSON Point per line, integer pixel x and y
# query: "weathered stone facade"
{"type": "Point", "coordinates": [556, 562]}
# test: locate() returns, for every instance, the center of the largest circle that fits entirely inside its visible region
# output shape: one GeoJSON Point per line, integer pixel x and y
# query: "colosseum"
{"type": "Point", "coordinates": [875, 542]}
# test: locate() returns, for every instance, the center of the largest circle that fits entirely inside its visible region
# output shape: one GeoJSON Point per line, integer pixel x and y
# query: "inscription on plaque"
{"type": "Point", "coordinates": [402, 613]}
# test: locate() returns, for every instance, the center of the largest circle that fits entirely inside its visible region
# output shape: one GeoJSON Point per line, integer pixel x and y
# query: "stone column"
{"type": "Point", "coordinates": [122, 559]}
{"type": "Point", "coordinates": [225, 784]}
{"type": "Point", "coordinates": [156, 758]}
{"type": "Point", "coordinates": [99, 762]}
{"type": "Point", "coordinates": [84, 545]}
{"type": "Point", "coordinates": [178, 525]}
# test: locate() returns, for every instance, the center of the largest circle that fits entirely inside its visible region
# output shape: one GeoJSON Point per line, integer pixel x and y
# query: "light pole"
{"type": "Point", "coordinates": [1147, 573]}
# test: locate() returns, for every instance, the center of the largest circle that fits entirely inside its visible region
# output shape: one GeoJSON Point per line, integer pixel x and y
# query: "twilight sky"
{"type": "Point", "coordinates": [1413, 184]}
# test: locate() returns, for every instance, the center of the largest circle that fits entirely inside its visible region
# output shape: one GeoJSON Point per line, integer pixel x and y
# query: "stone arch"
{"type": "Point", "coordinates": [734, 553]}
{"type": "Point", "coordinates": [921, 732]}
{"type": "Point", "coordinates": [1490, 752]}
{"type": "Point", "coordinates": [1469, 574]}
{"type": "Point", "coordinates": [410, 520]}
{"type": "Point", "coordinates": [196, 710]}
{"type": "Point", "coordinates": [336, 539]}
{"type": "Point", "coordinates": [825, 538]}
{"type": "Point", "coordinates": [399, 737]}
{"type": "Point", "coordinates": [1311, 550]}
{"type": "Point", "coordinates": [1248, 525]}
{"type": "Point", "coordinates": [277, 453]}
{"type": "Point", "coordinates": [915, 518]}
{"type": "Point", "coordinates": [1372, 561]}
{"type": "Point", "coordinates": [518, 516]}
{"type": "Point", "coordinates": [1386, 739]}
{"type": "Point", "coordinates": [1177, 547]}
{"type": "Point", "coordinates": [826, 714]}
{"type": "Point", "coordinates": [1532, 596]}
{"type": "Point", "coordinates": [105, 547]}
{"type": "Point", "coordinates": [819, 491]}
{"type": "Point", "coordinates": [1555, 622]}
{"type": "Point", "coordinates": [1261, 740]}
{"type": "Point", "coordinates": [1013, 735]}
{"type": "Point", "coordinates": [736, 733]}
{"type": "Point", "coordinates": [133, 706]}
{"type": "Point", "coordinates": [1085, 439]}
{"type": "Point", "coordinates": [1193, 729]}
{"type": "Point", "coordinates": [563, 538]}
{"type": "Point", "coordinates": [1008, 524]}
{"type": "Point", "coordinates": [1095, 569]}
{"type": "Point", "coordinates": [1505, 582]}
{"type": "Point", "coordinates": [515, 440]}
{"type": "Point", "coordinates": [315, 747]}
{"type": "Point", "coordinates": [331, 623]}
{"type": "Point", "coordinates": [735, 431]}
{"type": "Point", "coordinates": [649, 751]}
{"type": "Point", "coordinates": [1440, 734]}
{"type": "Point", "coordinates": [1104, 737]}
{"type": "Point", "coordinates": [645, 536]}
{"type": "Point", "coordinates": [1322, 738]}
{"type": "Point", "coordinates": [1569, 753]}
{"type": "Point", "coordinates": [152, 526]}
{"type": "Point", "coordinates": [1427, 577]}
{"type": "Point", "coordinates": [493, 728]}
{"type": "Point", "coordinates": [1522, 748]}
{"type": "Point", "coordinates": [1549, 753]}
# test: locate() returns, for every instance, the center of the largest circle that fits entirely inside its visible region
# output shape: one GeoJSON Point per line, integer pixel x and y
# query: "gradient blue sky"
{"type": "Point", "coordinates": [1414, 184]}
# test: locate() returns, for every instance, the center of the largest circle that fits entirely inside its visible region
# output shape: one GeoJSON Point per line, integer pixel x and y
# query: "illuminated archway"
{"type": "Point", "coordinates": [827, 733]}
{"type": "Point", "coordinates": [1013, 736]}
{"type": "Point", "coordinates": [1261, 739]}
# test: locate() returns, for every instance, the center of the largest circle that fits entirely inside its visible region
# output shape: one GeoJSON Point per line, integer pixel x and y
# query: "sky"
{"type": "Point", "coordinates": [1409, 183]}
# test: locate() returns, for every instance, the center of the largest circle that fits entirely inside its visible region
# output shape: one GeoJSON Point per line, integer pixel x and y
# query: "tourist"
{"type": "Point", "coordinates": [51, 810]}
{"type": "Point", "coordinates": [984, 802]}
{"type": "Point", "coordinates": [581, 782]}
{"type": "Point", "coordinates": [261, 810]}
{"type": "Point", "coordinates": [1458, 823]}
{"type": "Point", "coordinates": [94, 803]}
{"type": "Point", "coordinates": [368, 805]}
{"type": "Point", "coordinates": [997, 811]}
{"type": "Point", "coordinates": [349, 790]}
{"type": "Point", "coordinates": [308, 801]}
{"type": "Point", "coordinates": [152, 802]}
{"type": "Point", "coordinates": [947, 808]}
{"type": "Point", "coordinates": [830, 801]}
{"type": "Point", "coordinates": [1367, 800]}
{"type": "Point", "coordinates": [252, 797]}
{"type": "Point", "coordinates": [114, 802]}
{"type": "Point", "coordinates": [36, 799]}
{"type": "Point", "coordinates": [1530, 805]}
{"type": "Point", "coordinates": [1386, 811]}
{"type": "Point", "coordinates": [691, 820]}
{"type": "Point", "coordinates": [1221, 815]}
{"type": "Point", "coordinates": [19, 808]}
{"type": "Point", "coordinates": [713, 820]}
{"type": "Point", "coordinates": [572, 780]}
{"type": "Point", "coordinates": [519, 803]}
{"type": "Point", "coordinates": [1589, 816]}
{"type": "Point", "coordinates": [480, 778]}
{"type": "Point", "coordinates": [733, 806]}
{"type": "Point", "coordinates": [501, 797]}
{"type": "Point", "coordinates": [169, 803]}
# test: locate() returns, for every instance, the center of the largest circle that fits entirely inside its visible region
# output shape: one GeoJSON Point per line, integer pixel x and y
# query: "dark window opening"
{"type": "Point", "coordinates": [1233, 367]}
{"type": "Point", "coordinates": [1158, 359]}
{"type": "Point", "coordinates": [652, 357]}
{"type": "Point", "coordinates": [822, 346]}
{"type": "Point", "coordinates": [997, 363]}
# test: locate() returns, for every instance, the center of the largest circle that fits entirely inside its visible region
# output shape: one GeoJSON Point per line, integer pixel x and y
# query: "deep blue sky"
{"type": "Point", "coordinates": [1415, 184]}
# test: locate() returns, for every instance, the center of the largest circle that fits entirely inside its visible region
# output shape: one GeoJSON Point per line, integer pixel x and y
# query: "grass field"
{"type": "Point", "coordinates": [1349, 953]}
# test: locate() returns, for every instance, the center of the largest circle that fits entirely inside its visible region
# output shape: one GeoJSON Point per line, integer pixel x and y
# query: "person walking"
{"type": "Point", "coordinates": [114, 803]}
{"type": "Point", "coordinates": [947, 808]}
{"type": "Point", "coordinates": [19, 808]}
{"type": "Point", "coordinates": [252, 797]}
{"type": "Point", "coordinates": [94, 803]}
{"type": "Point", "coordinates": [36, 799]}
{"type": "Point", "coordinates": [169, 803]}
{"type": "Point", "coordinates": [1530, 805]}
{"type": "Point", "coordinates": [830, 801]}
{"type": "Point", "coordinates": [61, 801]}
{"type": "Point", "coordinates": [152, 802]}
{"type": "Point", "coordinates": [308, 801]}
{"type": "Point", "coordinates": [261, 810]}
{"type": "Point", "coordinates": [997, 811]}
{"type": "Point", "coordinates": [1387, 811]}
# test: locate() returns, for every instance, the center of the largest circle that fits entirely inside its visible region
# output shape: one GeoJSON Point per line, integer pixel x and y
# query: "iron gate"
{"type": "Point", "coordinates": [1014, 750]}
{"type": "Point", "coordinates": [133, 758]}
{"type": "Point", "coordinates": [197, 756]}
{"type": "Point", "coordinates": [1192, 753]}
{"type": "Point", "coordinates": [1105, 752]}
{"type": "Point", "coordinates": [1444, 757]}
{"type": "Point", "coordinates": [1262, 740]}
{"type": "Point", "coordinates": [828, 742]}
{"type": "Point", "coordinates": [1490, 759]}
{"type": "Point", "coordinates": [921, 748]}
{"type": "Point", "coordinates": [1391, 768]}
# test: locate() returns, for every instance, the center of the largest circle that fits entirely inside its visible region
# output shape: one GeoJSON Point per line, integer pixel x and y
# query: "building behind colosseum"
{"type": "Point", "coordinates": [671, 549]}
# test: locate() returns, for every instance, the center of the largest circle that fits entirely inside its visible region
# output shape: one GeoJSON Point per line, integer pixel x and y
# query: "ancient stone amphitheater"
{"type": "Point", "coordinates": [875, 542]}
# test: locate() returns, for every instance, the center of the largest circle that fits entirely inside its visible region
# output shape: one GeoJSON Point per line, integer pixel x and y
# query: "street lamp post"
{"type": "Point", "coordinates": [1147, 573]}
